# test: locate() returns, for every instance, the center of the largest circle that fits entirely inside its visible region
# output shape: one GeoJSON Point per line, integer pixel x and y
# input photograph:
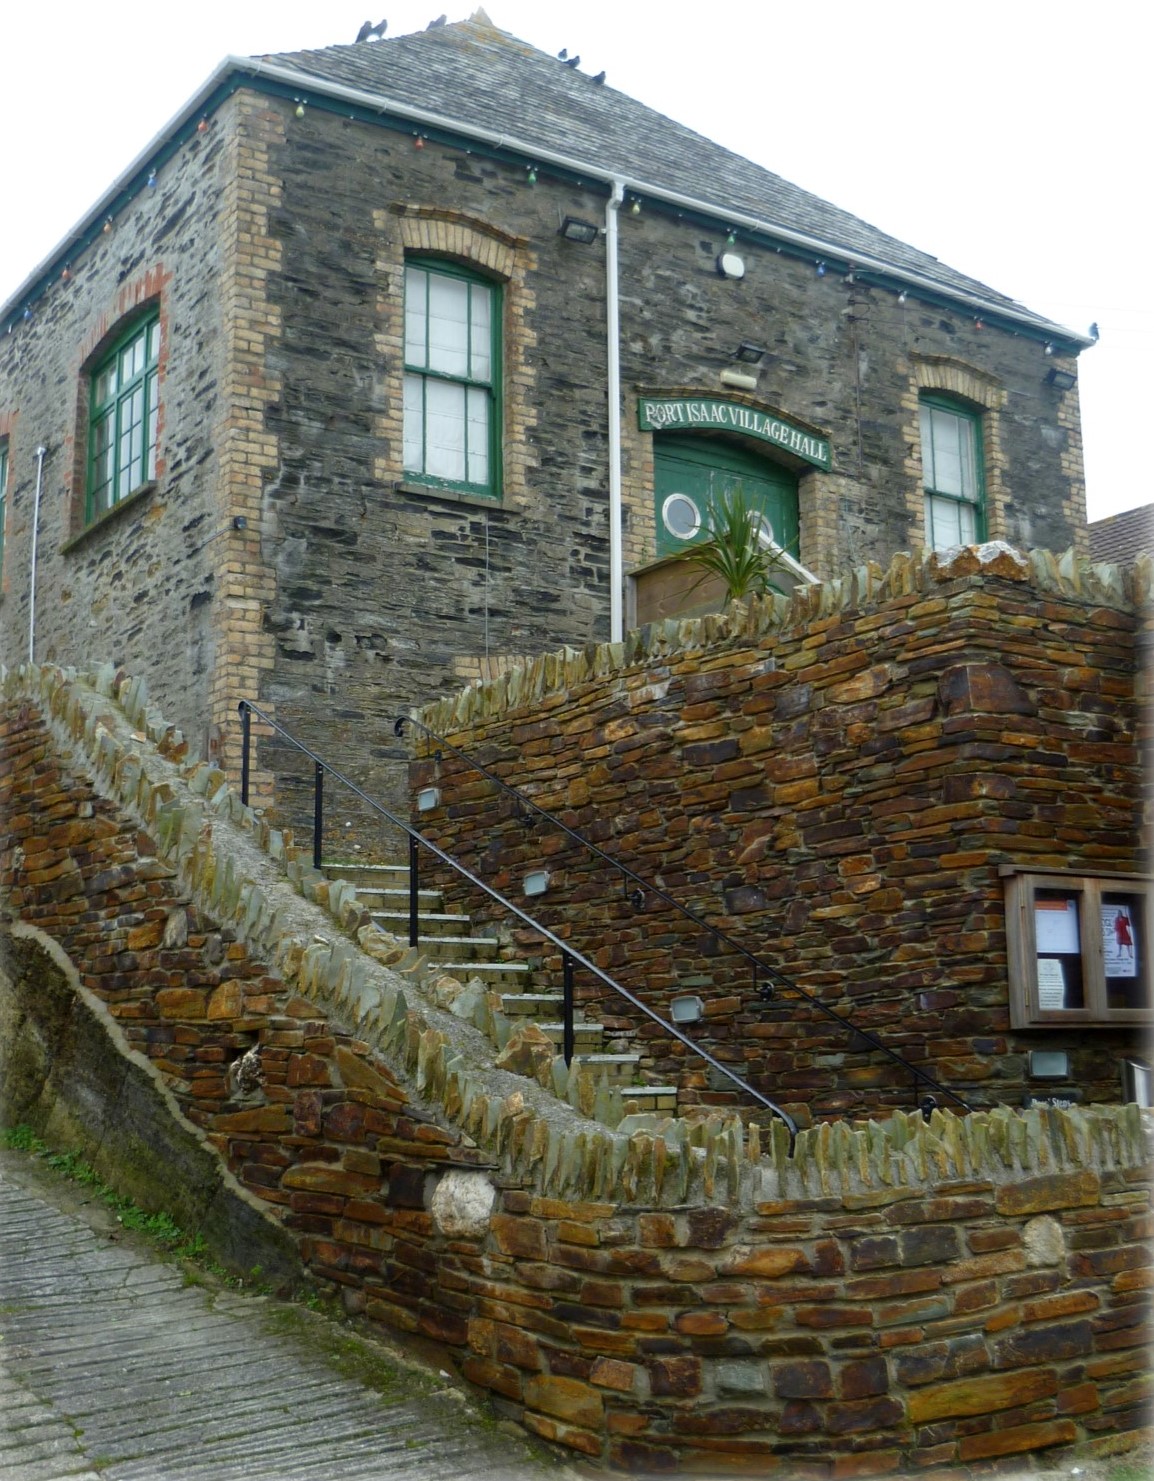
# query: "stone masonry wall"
{"type": "Point", "coordinates": [836, 785]}
{"type": "Point", "coordinates": [877, 1297]}
{"type": "Point", "coordinates": [141, 585]}
{"type": "Point", "coordinates": [389, 595]}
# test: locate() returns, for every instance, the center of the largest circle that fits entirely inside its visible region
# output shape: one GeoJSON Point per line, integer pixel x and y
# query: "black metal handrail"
{"type": "Point", "coordinates": [764, 990]}
{"type": "Point", "coordinates": [569, 957]}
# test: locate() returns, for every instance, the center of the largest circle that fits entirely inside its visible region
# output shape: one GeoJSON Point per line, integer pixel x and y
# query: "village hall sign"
{"type": "Point", "coordinates": [710, 413]}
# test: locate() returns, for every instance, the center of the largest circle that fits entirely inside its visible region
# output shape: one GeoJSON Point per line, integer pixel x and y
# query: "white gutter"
{"type": "Point", "coordinates": [375, 102]}
{"type": "Point", "coordinates": [41, 452]}
{"type": "Point", "coordinates": [613, 336]}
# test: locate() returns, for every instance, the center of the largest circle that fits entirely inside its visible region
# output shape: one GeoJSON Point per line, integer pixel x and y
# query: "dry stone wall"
{"type": "Point", "coordinates": [655, 1294]}
{"type": "Point", "coordinates": [835, 783]}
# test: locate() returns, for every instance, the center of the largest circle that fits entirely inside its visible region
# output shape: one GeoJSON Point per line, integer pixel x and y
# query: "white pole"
{"type": "Point", "coordinates": [41, 452]}
{"type": "Point", "coordinates": [613, 329]}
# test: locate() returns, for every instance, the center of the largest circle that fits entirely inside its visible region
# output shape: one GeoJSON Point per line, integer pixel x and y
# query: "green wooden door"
{"type": "Point", "coordinates": [692, 471]}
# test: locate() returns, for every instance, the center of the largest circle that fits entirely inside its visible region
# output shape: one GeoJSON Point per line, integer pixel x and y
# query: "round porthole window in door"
{"type": "Point", "coordinates": [680, 516]}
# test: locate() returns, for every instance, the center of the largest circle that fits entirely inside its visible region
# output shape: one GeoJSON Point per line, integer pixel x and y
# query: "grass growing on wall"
{"type": "Point", "coordinates": [161, 1229]}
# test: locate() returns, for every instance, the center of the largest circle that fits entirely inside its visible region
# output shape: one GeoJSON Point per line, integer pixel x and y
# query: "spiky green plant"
{"type": "Point", "coordinates": [734, 550]}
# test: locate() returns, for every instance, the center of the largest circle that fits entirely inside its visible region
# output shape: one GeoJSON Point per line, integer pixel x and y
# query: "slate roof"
{"type": "Point", "coordinates": [1120, 537]}
{"type": "Point", "coordinates": [473, 72]}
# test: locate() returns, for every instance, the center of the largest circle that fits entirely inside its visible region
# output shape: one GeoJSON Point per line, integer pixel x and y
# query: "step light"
{"type": "Point", "coordinates": [1049, 1064]}
{"type": "Point", "coordinates": [688, 1009]}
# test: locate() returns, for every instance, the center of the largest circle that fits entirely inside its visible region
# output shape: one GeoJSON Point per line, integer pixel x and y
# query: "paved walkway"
{"type": "Point", "coordinates": [113, 1369]}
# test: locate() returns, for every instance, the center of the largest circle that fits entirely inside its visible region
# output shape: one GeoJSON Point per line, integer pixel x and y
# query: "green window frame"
{"type": "Point", "coordinates": [953, 475]}
{"type": "Point", "coordinates": [3, 497]}
{"type": "Point", "coordinates": [123, 414]}
{"type": "Point", "coordinates": [452, 392]}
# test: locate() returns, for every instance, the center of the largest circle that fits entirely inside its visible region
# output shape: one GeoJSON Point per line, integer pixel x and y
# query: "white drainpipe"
{"type": "Point", "coordinates": [613, 330]}
{"type": "Point", "coordinates": [41, 453]}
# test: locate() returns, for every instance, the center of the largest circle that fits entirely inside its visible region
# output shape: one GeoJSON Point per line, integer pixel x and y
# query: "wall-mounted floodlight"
{"type": "Point", "coordinates": [1064, 380]}
{"type": "Point", "coordinates": [730, 265]}
{"type": "Point", "coordinates": [688, 1009]}
{"type": "Point", "coordinates": [428, 798]}
{"type": "Point", "coordinates": [573, 229]}
{"type": "Point", "coordinates": [748, 354]}
{"type": "Point", "coordinates": [536, 882]}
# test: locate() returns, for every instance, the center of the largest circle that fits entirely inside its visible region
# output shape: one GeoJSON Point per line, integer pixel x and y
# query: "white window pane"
{"type": "Point", "coordinates": [967, 530]}
{"type": "Point", "coordinates": [416, 282]}
{"type": "Point", "coordinates": [478, 436]}
{"type": "Point", "coordinates": [481, 323]}
{"type": "Point", "coordinates": [948, 523]}
{"type": "Point", "coordinates": [969, 485]}
{"type": "Point", "coordinates": [153, 407]}
{"type": "Point", "coordinates": [154, 342]}
{"type": "Point", "coordinates": [132, 359]}
{"type": "Point", "coordinates": [947, 453]}
{"type": "Point", "coordinates": [414, 453]}
{"type": "Point", "coordinates": [444, 430]}
{"type": "Point", "coordinates": [448, 325]}
{"type": "Point", "coordinates": [105, 385]}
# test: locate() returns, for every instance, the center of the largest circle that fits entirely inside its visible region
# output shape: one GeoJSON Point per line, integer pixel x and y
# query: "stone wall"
{"type": "Point", "coordinates": [654, 1294]}
{"type": "Point", "coordinates": [140, 585]}
{"type": "Point", "coordinates": [836, 784]}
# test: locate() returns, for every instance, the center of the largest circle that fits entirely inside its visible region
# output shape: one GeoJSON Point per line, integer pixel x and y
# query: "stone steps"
{"type": "Point", "coordinates": [431, 922]}
{"type": "Point", "coordinates": [448, 944]}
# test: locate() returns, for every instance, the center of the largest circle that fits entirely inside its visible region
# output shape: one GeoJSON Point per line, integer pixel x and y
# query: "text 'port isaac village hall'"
{"type": "Point", "coordinates": [396, 379]}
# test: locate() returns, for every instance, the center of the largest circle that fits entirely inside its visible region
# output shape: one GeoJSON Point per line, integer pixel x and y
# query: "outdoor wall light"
{"type": "Point", "coordinates": [1064, 380]}
{"type": "Point", "coordinates": [428, 798]}
{"type": "Point", "coordinates": [739, 380]}
{"type": "Point", "coordinates": [688, 1009]}
{"type": "Point", "coordinates": [747, 353]}
{"type": "Point", "coordinates": [730, 265]}
{"type": "Point", "coordinates": [576, 230]}
{"type": "Point", "coordinates": [1049, 1064]}
{"type": "Point", "coordinates": [536, 882]}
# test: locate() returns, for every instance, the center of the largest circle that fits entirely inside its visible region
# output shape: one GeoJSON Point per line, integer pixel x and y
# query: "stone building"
{"type": "Point", "coordinates": [386, 362]}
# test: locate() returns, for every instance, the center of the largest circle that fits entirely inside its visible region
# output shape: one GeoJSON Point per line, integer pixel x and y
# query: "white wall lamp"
{"type": "Point", "coordinates": [536, 882]}
{"type": "Point", "coordinates": [1049, 1064]}
{"type": "Point", "coordinates": [688, 1009]}
{"type": "Point", "coordinates": [428, 798]}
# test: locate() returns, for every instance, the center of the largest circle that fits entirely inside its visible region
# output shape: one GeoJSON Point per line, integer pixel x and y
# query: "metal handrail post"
{"type": "Point", "coordinates": [567, 1034]}
{"type": "Point", "coordinates": [318, 811]}
{"type": "Point", "coordinates": [245, 736]}
{"type": "Point", "coordinates": [414, 890]}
